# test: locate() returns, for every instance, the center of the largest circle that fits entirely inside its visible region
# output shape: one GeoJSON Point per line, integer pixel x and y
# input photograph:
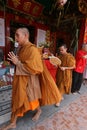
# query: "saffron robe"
{"type": "Point", "coordinates": [32, 81]}
{"type": "Point", "coordinates": [25, 86]}
{"type": "Point", "coordinates": [49, 90]}
{"type": "Point", "coordinates": [64, 78]}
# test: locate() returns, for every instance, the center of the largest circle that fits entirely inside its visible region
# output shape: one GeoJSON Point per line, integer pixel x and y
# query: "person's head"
{"type": "Point", "coordinates": [22, 36]}
{"type": "Point", "coordinates": [63, 48]}
{"type": "Point", "coordinates": [84, 47]}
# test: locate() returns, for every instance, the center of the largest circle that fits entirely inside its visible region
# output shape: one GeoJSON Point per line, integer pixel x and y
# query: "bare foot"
{"type": "Point", "coordinates": [57, 104]}
{"type": "Point", "coordinates": [37, 115]}
{"type": "Point", "coordinates": [62, 98]}
{"type": "Point", "coordinates": [12, 125]}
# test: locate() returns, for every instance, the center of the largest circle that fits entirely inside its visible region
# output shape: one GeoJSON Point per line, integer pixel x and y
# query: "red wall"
{"type": "Point", "coordinates": [8, 17]}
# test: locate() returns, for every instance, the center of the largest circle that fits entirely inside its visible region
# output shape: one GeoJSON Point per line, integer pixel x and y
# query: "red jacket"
{"type": "Point", "coordinates": [80, 61]}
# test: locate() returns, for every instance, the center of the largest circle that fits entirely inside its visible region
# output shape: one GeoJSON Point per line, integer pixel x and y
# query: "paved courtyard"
{"type": "Point", "coordinates": [70, 115]}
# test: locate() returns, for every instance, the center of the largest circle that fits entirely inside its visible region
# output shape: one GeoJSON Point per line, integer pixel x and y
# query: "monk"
{"type": "Point", "coordinates": [64, 72]}
{"type": "Point", "coordinates": [31, 85]}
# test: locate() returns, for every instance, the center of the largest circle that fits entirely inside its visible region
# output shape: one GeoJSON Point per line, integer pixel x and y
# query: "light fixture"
{"type": "Point", "coordinates": [61, 2]}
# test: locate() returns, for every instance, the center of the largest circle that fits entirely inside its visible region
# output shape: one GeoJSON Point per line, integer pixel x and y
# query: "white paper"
{"type": "Point", "coordinates": [41, 36]}
{"type": "Point", "coordinates": [2, 32]}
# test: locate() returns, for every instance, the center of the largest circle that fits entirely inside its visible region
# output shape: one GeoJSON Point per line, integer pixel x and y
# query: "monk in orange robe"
{"type": "Point", "coordinates": [49, 90]}
{"type": "Point", "coordinates": [31, 85]}
{"type": "Point", "coordinates": [64, 72]}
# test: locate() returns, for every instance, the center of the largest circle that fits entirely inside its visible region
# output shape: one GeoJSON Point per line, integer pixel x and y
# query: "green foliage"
{"type": "Point", "coordinates": [45, 44]}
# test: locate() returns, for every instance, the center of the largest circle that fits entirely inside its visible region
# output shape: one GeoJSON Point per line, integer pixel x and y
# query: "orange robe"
{"type": "Point", "coordinates": [25, 87]}
{"type": "Point", "coordinates": [32, 83]}
{"type": "Point", "coordinates": [64, 78]}
{"type": "Point", "coordinates": [49, 90]}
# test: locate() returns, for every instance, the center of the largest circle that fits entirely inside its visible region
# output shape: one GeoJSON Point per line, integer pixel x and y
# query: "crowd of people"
{"type": "Point", "coordinates": [33, 85]}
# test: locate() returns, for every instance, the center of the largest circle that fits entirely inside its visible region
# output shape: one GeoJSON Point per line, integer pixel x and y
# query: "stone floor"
{"type": "Point", "coordinates": [70, 115]}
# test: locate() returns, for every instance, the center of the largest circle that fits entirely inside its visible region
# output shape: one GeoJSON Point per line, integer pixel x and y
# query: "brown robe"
{"type": "Point", "coordinates": [32, 81]}
{"type": "Point", "coordinates": [64, 78]}
{"type": "Point", "coordinates": [25, 86]}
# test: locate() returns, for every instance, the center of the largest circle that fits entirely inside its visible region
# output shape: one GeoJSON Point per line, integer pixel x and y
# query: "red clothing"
{"type": "Point", "coordinates": [52, 69]}
{"type": "Point", "coordinates": [80, 61]}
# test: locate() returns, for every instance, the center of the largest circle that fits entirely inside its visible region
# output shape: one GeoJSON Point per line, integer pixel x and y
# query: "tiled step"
{"type": "Point", "coordinates": [4, 118]}
{"type": "Point", "coordinates": [5, 103]}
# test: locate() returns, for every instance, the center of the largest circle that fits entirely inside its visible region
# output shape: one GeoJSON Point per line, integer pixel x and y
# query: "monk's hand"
{"type": "Point", "coordinates": [62, 68]}
{"type": "Point", "coordinates": [85, 56]}
{"type": "Point", "coordinates": [13, 58]}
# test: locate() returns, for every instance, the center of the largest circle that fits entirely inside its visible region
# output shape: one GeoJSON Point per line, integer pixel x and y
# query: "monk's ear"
{"type": "Point", "coordinates": [66, 49]}
{"type": "Point", "coordinates": [26, 35]}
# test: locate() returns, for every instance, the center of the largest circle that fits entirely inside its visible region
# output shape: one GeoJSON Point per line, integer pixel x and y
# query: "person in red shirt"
{"type": "Point", "coordinates": [81, 57]}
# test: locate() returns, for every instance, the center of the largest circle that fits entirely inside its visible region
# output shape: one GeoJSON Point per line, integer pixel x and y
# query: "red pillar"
{"type": "Point", "coordinates": [81, 35]}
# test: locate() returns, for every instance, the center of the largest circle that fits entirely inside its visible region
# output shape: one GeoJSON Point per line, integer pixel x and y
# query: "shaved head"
{"type": "Point", "coordinates": [22, 36]}
{"type": "Point", "coordinates": [24, 30]}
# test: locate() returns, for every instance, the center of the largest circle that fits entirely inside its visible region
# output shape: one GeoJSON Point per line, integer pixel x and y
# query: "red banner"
{"type": "Point", "coordinates": [26, 6]}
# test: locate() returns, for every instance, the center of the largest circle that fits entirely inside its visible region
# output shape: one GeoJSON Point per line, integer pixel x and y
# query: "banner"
{"type": "Point", "coordinates": [26, 6]}
{"type": "Point", "coordinates": [2, 32]}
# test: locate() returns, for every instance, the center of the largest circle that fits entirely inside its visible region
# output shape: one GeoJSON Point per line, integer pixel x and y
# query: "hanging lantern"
{"type": "Point", "coordinates": [61, 2]}
{"type": "Point", "coordinates": [82, 5]}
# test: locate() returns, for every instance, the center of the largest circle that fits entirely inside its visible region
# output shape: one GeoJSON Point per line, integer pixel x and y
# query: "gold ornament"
{"type": "Point", "coordinates": [16, 3]}
{"type": "Point", "coordinates": [82, 5]}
